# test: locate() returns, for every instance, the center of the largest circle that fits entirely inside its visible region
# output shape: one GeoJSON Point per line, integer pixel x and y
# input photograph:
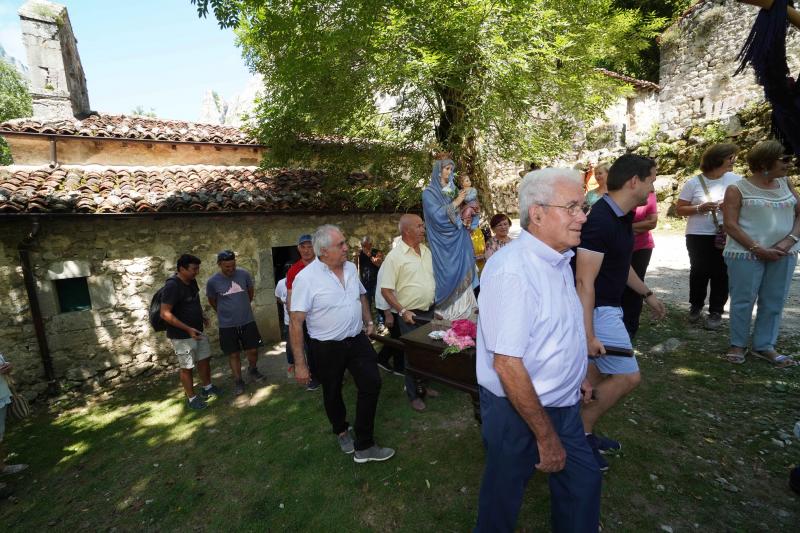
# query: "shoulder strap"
{"type": "Point", "coordinates": [708, 198]}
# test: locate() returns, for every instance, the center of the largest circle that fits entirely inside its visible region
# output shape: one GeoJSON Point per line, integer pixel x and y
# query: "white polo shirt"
{"type": "Point", "coordinates": [333, 311]}
{"type": "Point", "coordinates": [529, 309]}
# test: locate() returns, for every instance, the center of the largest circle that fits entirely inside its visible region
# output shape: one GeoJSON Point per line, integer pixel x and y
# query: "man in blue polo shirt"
{"type": "Point", "coordinates": [602, 271]}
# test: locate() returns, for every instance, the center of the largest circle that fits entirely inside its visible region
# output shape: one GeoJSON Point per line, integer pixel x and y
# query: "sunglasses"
{"type": "Point", "coordinates": [787, 159]}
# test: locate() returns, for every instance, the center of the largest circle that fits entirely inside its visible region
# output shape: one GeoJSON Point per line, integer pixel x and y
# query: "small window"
{"type": "Point", "coordinates": [73, 294]}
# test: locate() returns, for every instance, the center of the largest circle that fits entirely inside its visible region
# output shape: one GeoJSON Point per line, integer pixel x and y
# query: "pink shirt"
{"type": "Point", "coordinates": [644, 241]}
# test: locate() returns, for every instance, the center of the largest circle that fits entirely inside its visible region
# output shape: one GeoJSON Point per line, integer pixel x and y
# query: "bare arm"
{"type": "Point", "coordinates": [685, 208]}
{"type": "Point", "coordinates": [637, 285]}
{"type": "Point", "coordinates": [251, 292]}
{"type": "Point", "coordinates": [212, 302]}
{"type": "Point", "coordinates": [646, 225]}
{"type": "Point", "coordinates": [587, 266]}
{"type": "Point", "coordinates": [519, 389]}
{"type": "Point", "coordinates": [391, 298]}
{"type": "Point", "coordinates": [172, 320]}
{"type": "Point", "coordinates": [298, 346]}
{"type": "Point", "coordinates": [787, 242]}
{"type": "Point", "coordinates": [366, 315]}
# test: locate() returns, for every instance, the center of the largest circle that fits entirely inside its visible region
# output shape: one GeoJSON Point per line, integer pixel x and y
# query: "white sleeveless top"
{"type": "Point", "coordinates": [766, 215]}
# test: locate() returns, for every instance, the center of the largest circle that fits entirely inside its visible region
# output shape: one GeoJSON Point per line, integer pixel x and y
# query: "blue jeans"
{"type": "Point", "coordinates": [765, 283]}
{"type": "Point", "coordinates": [512, 452]}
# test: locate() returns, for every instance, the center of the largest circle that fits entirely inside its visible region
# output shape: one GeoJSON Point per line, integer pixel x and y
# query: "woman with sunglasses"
{"type": "Point", "coordinates": [700, 200]}
{"type": "Point", "coordinates": [761, 253]}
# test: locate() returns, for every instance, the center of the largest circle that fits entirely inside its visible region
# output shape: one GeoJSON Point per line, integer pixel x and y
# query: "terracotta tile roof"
{"type": "Point", "coordinates": [641, 84]}
{"type": "Point", "coordinates": [131, 127]}
{"type": "Point", "coordinates": [97, 189]}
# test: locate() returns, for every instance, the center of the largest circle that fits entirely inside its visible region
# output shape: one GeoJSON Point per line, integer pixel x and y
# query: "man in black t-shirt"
{"type": "Point", "coordinates": [183, 313]}
{"type": "Point", "coordinates": [602, 271]}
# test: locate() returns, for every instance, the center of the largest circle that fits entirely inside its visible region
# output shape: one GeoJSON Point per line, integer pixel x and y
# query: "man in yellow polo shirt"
{"type": "Point", "coordinates": [408, 286]}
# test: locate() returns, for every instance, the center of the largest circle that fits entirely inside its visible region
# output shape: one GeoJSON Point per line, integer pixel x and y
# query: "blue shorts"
{"type": "Point", "coordinates": [610, 330]}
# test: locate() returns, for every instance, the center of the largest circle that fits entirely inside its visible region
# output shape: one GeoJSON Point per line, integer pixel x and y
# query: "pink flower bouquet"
{"type": "Point", "coordinates": [461, 335]}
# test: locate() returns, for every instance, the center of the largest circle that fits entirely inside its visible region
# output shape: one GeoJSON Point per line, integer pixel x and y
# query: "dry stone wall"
{"type": "Point", "coordinates": [698, 60]}
{"type": "Point", "coordinates": [125, 261]}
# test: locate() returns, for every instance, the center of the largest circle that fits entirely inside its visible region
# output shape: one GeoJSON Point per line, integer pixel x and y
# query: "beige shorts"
{"type": "Point", "coordinates": [189, 351]}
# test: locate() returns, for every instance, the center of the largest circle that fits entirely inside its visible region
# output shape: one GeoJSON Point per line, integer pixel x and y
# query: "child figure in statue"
{"type": "Point", "coordinates": [470, 209]}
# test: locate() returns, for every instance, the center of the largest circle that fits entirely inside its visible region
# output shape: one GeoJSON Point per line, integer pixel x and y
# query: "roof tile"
{"type": "Point", "coordinates": [98, 189]}
{"type": "Point", "coordinates": [132, 127]}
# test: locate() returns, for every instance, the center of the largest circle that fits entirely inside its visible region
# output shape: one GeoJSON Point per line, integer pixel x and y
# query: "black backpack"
{"type": "Point", "coordinates": [156, 321]}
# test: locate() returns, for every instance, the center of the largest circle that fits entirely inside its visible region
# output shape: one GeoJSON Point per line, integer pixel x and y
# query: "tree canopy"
{"type": "Point", "coordinates": [15, 102]}
{"type": "Point", "coordinates": [509, 79]}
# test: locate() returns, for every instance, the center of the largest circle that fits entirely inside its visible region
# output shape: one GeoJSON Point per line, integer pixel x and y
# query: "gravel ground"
{"type": "Point", "coordinates": [668, 276]}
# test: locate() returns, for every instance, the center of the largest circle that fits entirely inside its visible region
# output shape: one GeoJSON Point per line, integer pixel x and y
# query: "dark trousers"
{"type": "Point", "coordinates": [706, 265]}
{"type": "Point", "coordinates": [285, 336]}
{"type": "Point", "coordinates": [356, 355]}
{"type": "Point", "coordinates": [389, 356]}
{"type": "Point", "coordinates": [414, 387]}
{"type": "Point", "coordinates": [631, 300]}
{"type": "Point", "coordinates": [511, 453]}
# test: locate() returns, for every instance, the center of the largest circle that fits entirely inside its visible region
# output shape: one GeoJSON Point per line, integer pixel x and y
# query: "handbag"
{"type": "Point", "coordinates": [20, 408]}
{"type": "Point", "coordinates": [720, 238]}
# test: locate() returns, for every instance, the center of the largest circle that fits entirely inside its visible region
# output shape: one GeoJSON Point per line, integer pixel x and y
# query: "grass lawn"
{"type": "Point", "coordinates": [706, 448]}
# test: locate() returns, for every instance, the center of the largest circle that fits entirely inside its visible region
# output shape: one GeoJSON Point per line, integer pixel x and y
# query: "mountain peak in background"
{"type": "Point", "coordinates": [14, 62]}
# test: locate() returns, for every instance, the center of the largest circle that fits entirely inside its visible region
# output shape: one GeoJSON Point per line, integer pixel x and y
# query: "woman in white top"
{"type": "Point", "coordinates": [701, 201]}
{"type": "Point", "coordinates": [761, 216]}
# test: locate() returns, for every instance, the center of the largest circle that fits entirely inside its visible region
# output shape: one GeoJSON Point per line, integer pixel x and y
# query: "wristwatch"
{"type": "Point", "coordinates": [794, 237]}
{"type": "Point", "coordinates": [647, 295]}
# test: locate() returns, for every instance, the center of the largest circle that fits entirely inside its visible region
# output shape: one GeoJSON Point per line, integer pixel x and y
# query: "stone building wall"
{"type": "Point", "coordinates": [125, 261]}
{"type": "Point", "coordinates": [698, 59]}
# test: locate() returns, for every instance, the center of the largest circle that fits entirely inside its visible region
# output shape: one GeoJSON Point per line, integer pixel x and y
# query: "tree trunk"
{"type": "Point", "coordinates": [465, 148]}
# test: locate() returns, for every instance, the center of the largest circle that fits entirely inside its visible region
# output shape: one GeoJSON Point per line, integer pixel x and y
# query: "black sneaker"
{"type": "Point", "coordinates": [238, 387]}
{"type": "Point", "coordinates": [714, 321]}
{"type": "Point", "coordinates": [196, 403]}
{"type": "Point", "coordinates": [601, 461]}
{"type": "Point", "coordinates": [604, 444]}
{"type": "Point", "coordinates": [695, 313]}
{"type": "Point", "coordinates": [254, 374]}
{"type": "Point", "coordinates": [213, 390]}
{"type": "Point", "coordinates": [313, 385]}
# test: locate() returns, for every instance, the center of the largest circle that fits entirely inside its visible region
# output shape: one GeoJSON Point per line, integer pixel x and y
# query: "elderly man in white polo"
{"type": "Point", "coordinates": [329, 297]}
{"type": "Point", "coordinates": [531, 363]}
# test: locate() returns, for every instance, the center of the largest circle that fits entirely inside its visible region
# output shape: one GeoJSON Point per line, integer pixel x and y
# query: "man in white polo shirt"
{"type": "Point", "coordinates": [531, 363]}
{"type": "Point", "coordinates": [329, 297]}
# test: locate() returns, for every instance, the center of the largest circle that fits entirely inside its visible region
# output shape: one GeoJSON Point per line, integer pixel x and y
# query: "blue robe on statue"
{"type": "Point", "coordinates": [450, 242]}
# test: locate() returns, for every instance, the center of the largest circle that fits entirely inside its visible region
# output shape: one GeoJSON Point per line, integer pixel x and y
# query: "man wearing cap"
{"type": "Point", "coordinates": [306, 250]}
{"type": "Point", "coordinates": [230, 292]}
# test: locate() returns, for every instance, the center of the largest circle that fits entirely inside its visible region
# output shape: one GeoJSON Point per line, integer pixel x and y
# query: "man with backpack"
{"type": "Point", "coordinates": [183, 314]}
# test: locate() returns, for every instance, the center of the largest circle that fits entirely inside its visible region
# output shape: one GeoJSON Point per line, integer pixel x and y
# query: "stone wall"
{"type": "Point", "coordinates": [125, 261]}
{"type": "Point", "coordinates": [698, 59]}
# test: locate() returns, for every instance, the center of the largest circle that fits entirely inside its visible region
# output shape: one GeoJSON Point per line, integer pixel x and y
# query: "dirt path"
{"type": "Point", "coordinates": [668, 276]}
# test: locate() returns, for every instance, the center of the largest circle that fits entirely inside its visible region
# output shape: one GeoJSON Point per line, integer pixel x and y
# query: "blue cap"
{"type": "Point", "coordinates": [304, 238]}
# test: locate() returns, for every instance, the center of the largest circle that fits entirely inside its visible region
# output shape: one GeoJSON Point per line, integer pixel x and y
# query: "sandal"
{"type": "Point", "coordinates": [778, 360]}
{"type": "Point", "coordinates": [734, 358]}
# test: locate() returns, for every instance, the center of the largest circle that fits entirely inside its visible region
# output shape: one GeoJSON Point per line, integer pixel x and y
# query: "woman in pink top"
{"type": "Point", "coordinates": [644, 220]}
